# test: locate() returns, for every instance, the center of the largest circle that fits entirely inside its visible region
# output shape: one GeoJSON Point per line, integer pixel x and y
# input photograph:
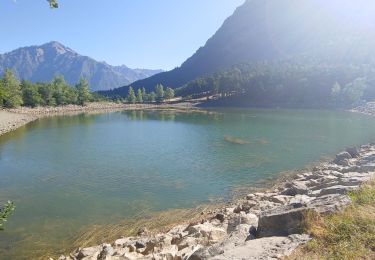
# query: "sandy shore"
{"type": "Point", "coordinates": [11, 119]}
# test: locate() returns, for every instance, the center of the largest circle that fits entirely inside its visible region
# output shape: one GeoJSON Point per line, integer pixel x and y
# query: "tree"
{"type": "Point", "coordinates": [159, 90]}
{"type": "Point", "coordinates": [169, 93]}
{"type": "Point", "coordinates": [30, 95]}
{"type": "Point", "coordinates": [53, 4]}
{"type": "Point", "coordinates": [46, 91]}
{"type": "Point", "coordinates": [83, 92]}
{"type": "Point", "coordinates": [144, 95]}
{"type": "Point", "coordinates": [131, 96]}
{"type": "Point", "coordinates": [152, 97]}
{"type": "Point", "coordinates": [5, 212]}
{"type": "Point", "coordinates": [2, 94]}
{"type": "Point", "coordinates": [11, 90]}
{"type": "Point", "coordinates": [139, 96]}
{"type": "Point", "coordinates": [59, 90]}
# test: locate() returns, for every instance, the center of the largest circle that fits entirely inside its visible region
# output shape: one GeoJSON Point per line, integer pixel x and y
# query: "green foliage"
{"type": "Point", "coordinates": [10, 90]}
{"type": "Point", "coordinates": [56, 93]}
{"type": "Point", "coordinates": [131, 96]}
{"type": "Point", "coordinates": [159, 90]}
{"type": "Point", "coordinates": [169, 93]}
{"type": "Point", "coordinates": [5, 212]}
{"type": "Point", "coordinates": [349, 234]}
{"type": "Point", "coordinates": [53, 4]}
{"type": "Point", "coordinates": [84, 95]}
{"type": "Point", "coordinates": [152, 97]}
{"type": "Point", "coordinates": [144, 95]}
{"type": "Point", "coordinates": [296, 83]}
{"type": "Point", "coordinates": [30, 94]}
{"type": "Point", "coordinates": [47, 93]}
{"type": "Point", "coordinates": [139, 96]}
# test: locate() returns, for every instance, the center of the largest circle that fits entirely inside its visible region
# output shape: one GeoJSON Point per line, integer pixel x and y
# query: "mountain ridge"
{"type": "Point", "coordinates": [268, 30]}
{"type": "Point", "coordinates": [43, 62]}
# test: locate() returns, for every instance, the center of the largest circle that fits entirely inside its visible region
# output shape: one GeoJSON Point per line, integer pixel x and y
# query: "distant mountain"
{"type": "Point", "coordinates": [268, 30]}
{"type": "Point", "coordinates": [42, 63]}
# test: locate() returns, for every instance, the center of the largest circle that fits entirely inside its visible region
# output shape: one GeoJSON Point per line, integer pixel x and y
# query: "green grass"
{"type": "Point", "coordinates": [349, 234]}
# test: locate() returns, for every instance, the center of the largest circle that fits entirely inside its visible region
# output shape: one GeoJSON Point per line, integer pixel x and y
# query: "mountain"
{"type": "Point", "coordinates": [268, 30]}
{"type": "Point", "coordinates": [42, 63]}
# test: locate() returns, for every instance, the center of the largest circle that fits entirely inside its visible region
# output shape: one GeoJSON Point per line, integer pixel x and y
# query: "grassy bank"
{"type": "Point", "coordinates": [349, 234]}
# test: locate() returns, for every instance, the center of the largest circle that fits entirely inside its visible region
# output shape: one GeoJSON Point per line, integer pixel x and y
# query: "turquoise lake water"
{"type": "Point", "coordinates": [69, 172]}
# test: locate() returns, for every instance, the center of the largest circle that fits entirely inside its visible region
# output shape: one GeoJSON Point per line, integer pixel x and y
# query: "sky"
{"type": "Point", "coordinates": [153, 34]}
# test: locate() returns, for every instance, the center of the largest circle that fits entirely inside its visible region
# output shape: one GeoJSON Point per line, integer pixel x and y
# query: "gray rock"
{"type": "Point", "coordinates": [338, 189]}
{"type": "Point", "coordinates": [264, 248]}
{"type": "Point", "coordinates": [295, 188]}
{"type": "Point", "coordinates": [220, 217]}
{"type": "Point", "coordinates": [342, 158]}
{"type": "Point", "coordinates": [329, 203]}
{"type": "Point", "coordinates": [281, 221]}
{"type": "Point", "coordinates": [88, 251]}
{"type": "Point", "coordinates": [106, 252]}
{"type": "Point", "coordinates": [353, 151]}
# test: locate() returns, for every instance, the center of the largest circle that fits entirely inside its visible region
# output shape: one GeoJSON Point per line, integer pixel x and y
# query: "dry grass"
{"type": "Point", "coordinates": [349, 234]}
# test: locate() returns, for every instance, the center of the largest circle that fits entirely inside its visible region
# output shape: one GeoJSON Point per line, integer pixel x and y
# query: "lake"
{"type": "Point", "coordinates": [70, 174]}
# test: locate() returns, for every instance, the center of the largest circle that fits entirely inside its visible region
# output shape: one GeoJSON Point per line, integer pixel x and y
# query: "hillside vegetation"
{"type": "Point", "coordinates": [286, 84]}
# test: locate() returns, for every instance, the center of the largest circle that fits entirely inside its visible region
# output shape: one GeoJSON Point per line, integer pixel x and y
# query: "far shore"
{"type": "Point", "coordinates": [11, 119]}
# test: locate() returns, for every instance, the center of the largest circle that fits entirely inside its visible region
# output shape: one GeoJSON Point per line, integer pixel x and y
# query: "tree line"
{"type": "Point", "coordinates": [140, 95]}
{"type": "Point", "coordinates": [55, 93]}
{"type": "Point", "coordinates": [287, 83]}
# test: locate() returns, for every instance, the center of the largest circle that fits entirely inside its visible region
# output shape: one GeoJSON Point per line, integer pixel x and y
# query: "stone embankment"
{"type": "Point", "coordinates": [265, 225]}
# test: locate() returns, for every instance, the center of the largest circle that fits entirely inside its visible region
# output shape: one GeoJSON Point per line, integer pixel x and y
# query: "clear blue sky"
{"type": "Point", "coordinates": [137, 33]}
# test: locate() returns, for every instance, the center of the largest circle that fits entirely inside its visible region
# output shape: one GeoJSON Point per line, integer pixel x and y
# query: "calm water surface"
{"type": "Point", "coordinates": [65, 173]}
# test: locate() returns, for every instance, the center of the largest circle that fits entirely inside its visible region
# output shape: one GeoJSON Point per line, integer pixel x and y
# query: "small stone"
{"type": "Point", "coordinates": [140, 244]}
{"type": "Point", "coordinates": [143, 231]}
{"type": "Point", "coordinates": [220, 216]}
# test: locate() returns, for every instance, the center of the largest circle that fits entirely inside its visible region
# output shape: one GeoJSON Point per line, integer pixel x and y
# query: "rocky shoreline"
{"type": "Point", "coordinates": [266, 225]}
{"type": "Point", "coordinates": [367, 109]}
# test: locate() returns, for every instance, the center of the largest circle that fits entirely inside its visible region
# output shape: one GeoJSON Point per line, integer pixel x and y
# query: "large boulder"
{"type": "Point", "coordinates": [294, 188]}
{"type": "Point", "coordinates": [208, 231]}
{"type": "Point", "coordinates": [337, 189]}
{"type": "Point", "coordinates": [265, 248]}
{"type": "Point", "coordinates": [282, 221]}
{"type": "Point", "coordinates": [343, 159]}
{"type": "Point", "coordinates": [329, 203]}
{"type": "Point", "coordinates": [354, 152]}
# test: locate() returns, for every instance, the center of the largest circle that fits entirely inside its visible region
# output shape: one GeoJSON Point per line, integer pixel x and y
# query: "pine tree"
{"type": "Point", "coordinates": [10, 92]}
{"type": "Point", "coordinates": [159, 89]}
{"type": "Point", "coordinates": [83, 92]}
{"type": "Point", "coordinates": [139, 96]}
{"type": "Point", "coordinates": [169, 93]}
{"type": "Point", "coordinates": [144, 95]}
{"type": "Point", "coordinates": [30, 95]}
{"type": "Point", "coordinates": [131, 96]}
{"type": "Point", "coordinates": [152, 97]}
